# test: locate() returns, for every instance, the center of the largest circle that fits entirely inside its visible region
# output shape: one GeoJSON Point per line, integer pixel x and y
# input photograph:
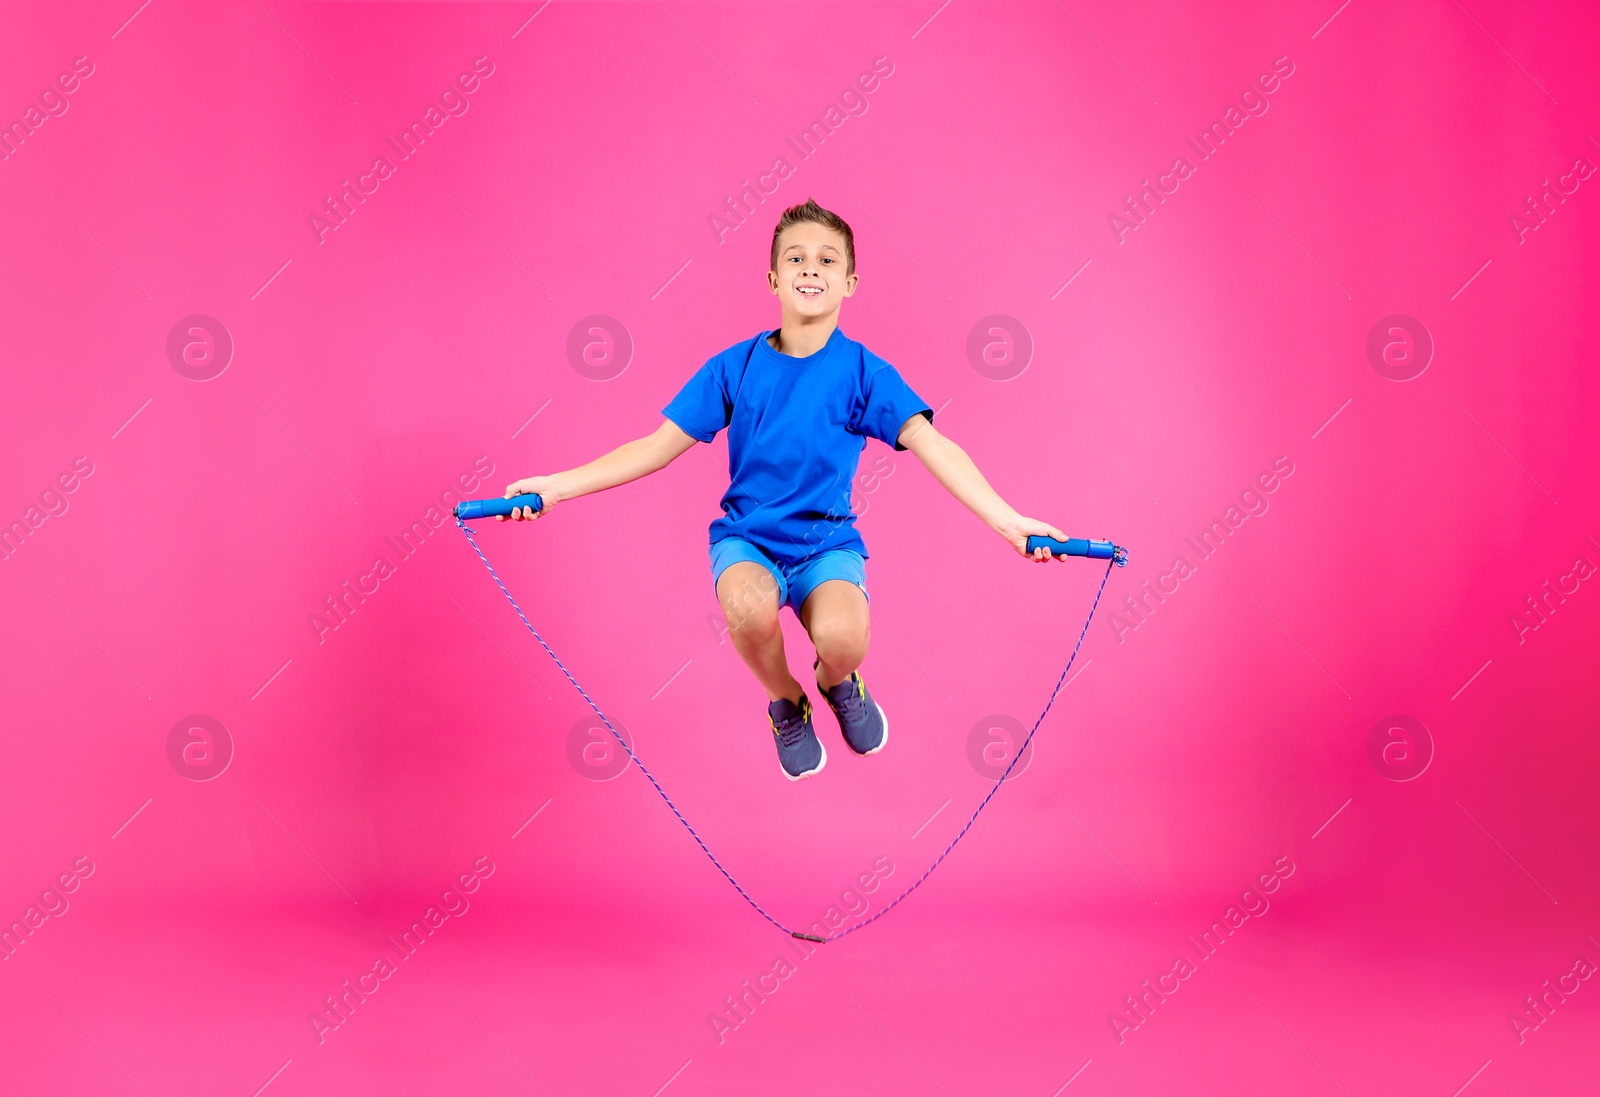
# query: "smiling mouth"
{"type": "Point", "coordinates": [809, 291]}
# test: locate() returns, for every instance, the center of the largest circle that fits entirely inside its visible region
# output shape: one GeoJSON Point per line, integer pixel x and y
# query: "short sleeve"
{"type": "Point", "coordinates": [703, 406]}
{"type": "Point", "coordinates": [888, 403]}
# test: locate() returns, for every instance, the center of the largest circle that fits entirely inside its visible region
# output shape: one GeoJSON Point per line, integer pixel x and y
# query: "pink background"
{"type": "Point", "coordinates": [1230, 729]}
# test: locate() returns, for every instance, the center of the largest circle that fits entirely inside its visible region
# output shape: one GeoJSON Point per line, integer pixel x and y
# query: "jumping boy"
{"type": "Point", "coordinates": [799, 404]}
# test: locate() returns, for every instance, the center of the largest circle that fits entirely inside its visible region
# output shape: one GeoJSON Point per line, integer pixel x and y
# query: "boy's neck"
{"type": "Point", "coordinates": [802, 338]}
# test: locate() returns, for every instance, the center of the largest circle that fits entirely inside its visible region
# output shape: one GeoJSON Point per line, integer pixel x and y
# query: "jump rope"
{"type": "Point", "coordinates": [1074, 546]}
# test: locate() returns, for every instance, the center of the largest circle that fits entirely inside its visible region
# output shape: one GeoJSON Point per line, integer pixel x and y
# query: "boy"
{"type": "Point", "coordinates": [799, 404]}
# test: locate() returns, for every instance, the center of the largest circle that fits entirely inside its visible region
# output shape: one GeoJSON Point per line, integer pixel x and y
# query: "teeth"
{"type": "Point", "coordinates": [809, 291]}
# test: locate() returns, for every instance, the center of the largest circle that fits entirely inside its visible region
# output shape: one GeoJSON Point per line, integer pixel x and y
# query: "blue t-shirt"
{"type": "Point", "coordinates": [796, 429]}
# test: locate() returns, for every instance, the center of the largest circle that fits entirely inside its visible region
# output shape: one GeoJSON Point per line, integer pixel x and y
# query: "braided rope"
{"type": "Point", "coordinates": [701, 842]}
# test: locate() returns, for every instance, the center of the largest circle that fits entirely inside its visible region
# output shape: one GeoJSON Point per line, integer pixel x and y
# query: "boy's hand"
{"type": "Point", "coordinates": [1018, 529]}
{"type": "Point", "coordinates": [545, 487]}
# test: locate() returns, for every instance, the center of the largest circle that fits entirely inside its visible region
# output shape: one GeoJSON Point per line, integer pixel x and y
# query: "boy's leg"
{"type": "Point", "coordinates": [833, 607]}
{"type": "Point", "coordinates": [835, 616]}
{"type": "Point", "coordinates": [748, 593]}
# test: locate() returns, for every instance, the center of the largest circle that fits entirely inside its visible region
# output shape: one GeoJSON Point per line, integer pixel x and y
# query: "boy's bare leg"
{"type": "Point", "coordinates": [749, 597]}
{"type": "Point", "coordinates": [835, 617]}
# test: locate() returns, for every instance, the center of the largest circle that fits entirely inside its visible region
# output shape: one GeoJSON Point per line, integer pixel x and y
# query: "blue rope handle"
{"type": "Point", "coordinates": [699, 841]}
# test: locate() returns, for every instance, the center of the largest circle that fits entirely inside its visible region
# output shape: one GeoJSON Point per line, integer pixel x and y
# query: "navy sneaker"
{"type": "Point", "coordinates": [861, 719]}
{"type": "Point", "coordinates": [800, 752]}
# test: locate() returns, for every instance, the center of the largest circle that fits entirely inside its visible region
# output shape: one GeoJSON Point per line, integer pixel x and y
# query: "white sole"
{"type": "Point", "coordinates": [802, 776]}
{"type": "Point", "coordinates": [885, 740]}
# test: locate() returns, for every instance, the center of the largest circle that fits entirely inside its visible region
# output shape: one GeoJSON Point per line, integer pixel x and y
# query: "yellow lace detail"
{"type": "Point", "coordinates": [805, 712]}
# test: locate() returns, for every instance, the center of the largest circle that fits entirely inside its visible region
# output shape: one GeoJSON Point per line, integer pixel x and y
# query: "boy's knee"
{"type": "Point", "coordinates": [841, 641]}
{"type": "Point", "coordinates": [750, 620]}
{"type": "Point", "coordinates": [749, 601]}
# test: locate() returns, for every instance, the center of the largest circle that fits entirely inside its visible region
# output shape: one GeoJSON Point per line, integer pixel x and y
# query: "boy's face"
{"type": "Point", "coordinates": [810, 281]}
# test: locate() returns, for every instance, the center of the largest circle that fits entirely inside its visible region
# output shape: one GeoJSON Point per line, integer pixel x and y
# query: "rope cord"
{"type": "Point", "coordinates": [701, 842]}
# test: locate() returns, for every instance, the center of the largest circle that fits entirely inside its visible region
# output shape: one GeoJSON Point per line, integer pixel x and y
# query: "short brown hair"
{"type": "Point", "coordinates": [810, 211]}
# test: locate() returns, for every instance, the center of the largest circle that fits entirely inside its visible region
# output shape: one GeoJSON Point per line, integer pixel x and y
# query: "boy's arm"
{"type": "Point", "coordinates": [952, 467]}
{"type": "Point", "coordinates": [628, 461]}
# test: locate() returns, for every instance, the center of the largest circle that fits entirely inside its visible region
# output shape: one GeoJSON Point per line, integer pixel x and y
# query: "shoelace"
{"type": "Point", "coordinates": [854, 706]}
{"type": "Point", "coordinates": [792, 730]}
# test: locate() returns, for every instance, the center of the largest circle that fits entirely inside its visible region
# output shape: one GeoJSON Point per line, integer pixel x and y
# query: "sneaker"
{"type": "Point", "coordinates": [861, 719]}
{"type": "Point", "coordinates": [800, 752]}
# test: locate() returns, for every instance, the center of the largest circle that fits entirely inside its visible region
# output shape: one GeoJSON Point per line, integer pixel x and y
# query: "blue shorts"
{"type": "Point", "coordinates": [795, 581]}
